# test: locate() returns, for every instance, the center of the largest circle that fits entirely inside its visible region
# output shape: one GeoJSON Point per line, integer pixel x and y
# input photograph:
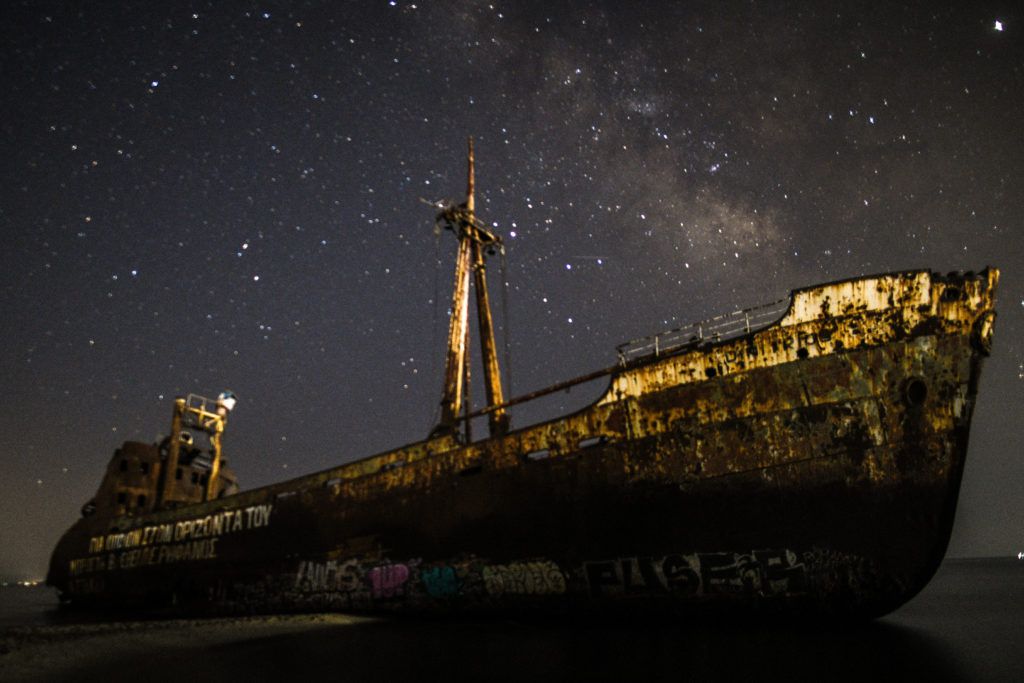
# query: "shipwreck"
{"type": "Point", "coordinates": [801, 457]}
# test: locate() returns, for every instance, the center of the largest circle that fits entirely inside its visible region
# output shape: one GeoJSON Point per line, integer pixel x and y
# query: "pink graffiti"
{"type": "Point", "coordinates": [388, 581]}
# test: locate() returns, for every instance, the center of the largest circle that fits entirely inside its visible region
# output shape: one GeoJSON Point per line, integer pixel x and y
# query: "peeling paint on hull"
{"type": "Point", "coordinates": [810, 465]}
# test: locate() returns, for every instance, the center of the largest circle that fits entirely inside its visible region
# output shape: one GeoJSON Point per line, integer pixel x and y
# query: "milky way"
{"type": "Point", "coordinates": [227, 195]}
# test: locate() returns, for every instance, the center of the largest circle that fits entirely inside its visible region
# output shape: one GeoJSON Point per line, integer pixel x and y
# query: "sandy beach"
{"type": "Point", "coordinates": [265, 648]}
{"type": "Point", "coordinates": [340, 647]}
{"type": "Point", "coordinates": [963, 627]}
{"type": "Point", "coordinates": [348, 648]}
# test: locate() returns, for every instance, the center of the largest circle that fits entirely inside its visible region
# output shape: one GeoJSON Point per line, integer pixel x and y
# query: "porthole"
{"type": "Point", "coordinates": [916, 392]}
{"type": "Point", "coordinates": [951, 293]}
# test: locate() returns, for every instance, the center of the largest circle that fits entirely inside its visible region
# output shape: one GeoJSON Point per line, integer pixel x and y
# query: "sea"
{"type": "Point", "coordinates": [966, 625]}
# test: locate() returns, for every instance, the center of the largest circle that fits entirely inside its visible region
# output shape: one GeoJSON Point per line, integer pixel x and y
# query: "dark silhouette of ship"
{"type": "Point", "coordinates": [800, 457]}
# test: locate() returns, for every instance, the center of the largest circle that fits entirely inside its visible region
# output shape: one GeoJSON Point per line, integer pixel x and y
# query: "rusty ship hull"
{"type": "Point", "coordinates": [810, 462]}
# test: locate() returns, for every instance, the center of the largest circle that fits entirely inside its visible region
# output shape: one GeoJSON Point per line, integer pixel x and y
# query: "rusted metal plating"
{"type": "Point", "coordinates": [829, 323]}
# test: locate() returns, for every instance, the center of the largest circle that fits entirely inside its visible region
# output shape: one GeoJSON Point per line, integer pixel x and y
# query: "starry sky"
{"type": "Point", "coordinates": [201, 196]}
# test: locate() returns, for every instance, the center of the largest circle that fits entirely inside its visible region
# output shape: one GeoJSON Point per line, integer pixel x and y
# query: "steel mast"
{"type": "Point", "coordinates": [474, 241]}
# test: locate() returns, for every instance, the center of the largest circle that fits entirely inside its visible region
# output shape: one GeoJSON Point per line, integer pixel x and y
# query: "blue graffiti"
{"type": "Point", "coordinates": [441, 582]}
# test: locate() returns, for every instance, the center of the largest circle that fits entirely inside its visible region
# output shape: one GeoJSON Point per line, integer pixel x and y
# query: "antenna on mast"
{"type": "Point", "coordinates": [470, 181]}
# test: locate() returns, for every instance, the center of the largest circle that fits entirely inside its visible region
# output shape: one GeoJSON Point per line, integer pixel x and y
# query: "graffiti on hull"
{"type": "Point", "coordinates": [354, 584]}
{"type": "Point", "coordinates": [760, 573]}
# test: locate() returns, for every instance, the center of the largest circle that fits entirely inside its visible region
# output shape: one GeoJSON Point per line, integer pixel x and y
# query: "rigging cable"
{"type": "Point", "coordinates": [435, 415]}
{"type": "Point", "coordinates": [506, 334]}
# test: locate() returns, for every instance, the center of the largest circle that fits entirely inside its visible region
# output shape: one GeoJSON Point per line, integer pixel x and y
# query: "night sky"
{"type": "Point", "coordinates": [226, 195]}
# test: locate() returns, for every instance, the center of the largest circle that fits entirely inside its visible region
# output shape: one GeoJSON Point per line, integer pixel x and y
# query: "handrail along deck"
{"type": "Point", "coordinates": [719, 328]}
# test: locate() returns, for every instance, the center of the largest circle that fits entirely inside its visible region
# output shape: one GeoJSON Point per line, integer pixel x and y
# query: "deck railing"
{"type": "Point", "coordinates": [719, 328]}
